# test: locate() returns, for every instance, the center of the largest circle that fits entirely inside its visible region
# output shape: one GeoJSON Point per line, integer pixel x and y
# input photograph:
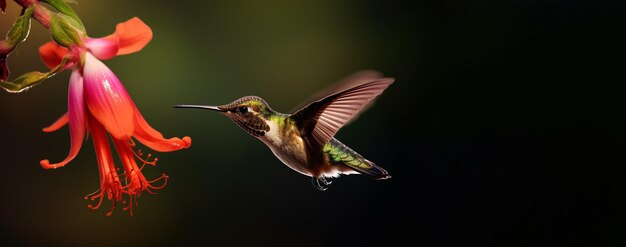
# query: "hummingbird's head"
{"type": "Point", "coordinates": [249, 112]}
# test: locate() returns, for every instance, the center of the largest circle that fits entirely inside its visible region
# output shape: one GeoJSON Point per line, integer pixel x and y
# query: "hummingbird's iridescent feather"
{"type": "Point", "coordinates": [323, 118]}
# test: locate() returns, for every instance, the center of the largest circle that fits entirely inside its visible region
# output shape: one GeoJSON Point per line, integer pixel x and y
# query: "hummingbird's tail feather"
{"type": "Point", "coordinates": [340, 154]}
{"type": "Point", "coordinates": [374, 171]}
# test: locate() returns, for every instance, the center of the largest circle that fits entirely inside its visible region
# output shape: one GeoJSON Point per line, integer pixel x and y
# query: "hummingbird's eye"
{"type": "Point", "coordinates": [243, 109]}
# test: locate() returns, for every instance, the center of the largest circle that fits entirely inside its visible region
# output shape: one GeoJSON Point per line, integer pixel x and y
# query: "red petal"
{"type": "Point", "coordinates": [132, 36]}
{"type": "Point", "coordinates": [154, 139]}
{"type": "Point", "coordinates": [110, 184]}
{"type": "Point", "coordinates": [76, 114]}
{"type": "Point", "coordinates": [62, 121]}
{"type": "Point", "coordinates": [52, 54]}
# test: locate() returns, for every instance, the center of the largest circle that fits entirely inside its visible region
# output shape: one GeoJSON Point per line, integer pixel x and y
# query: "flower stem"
{"type": "Point", "coordinates": [41, 13]}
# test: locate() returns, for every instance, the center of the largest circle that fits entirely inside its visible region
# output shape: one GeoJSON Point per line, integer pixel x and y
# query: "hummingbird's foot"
{"type": "Point", "coordinates": [321, 183]}
{"type": "Point", "coordinates": [324, 181]}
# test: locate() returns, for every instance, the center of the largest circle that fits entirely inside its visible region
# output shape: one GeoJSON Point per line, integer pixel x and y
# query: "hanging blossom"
{"type": "Point", "coordinates": [99, 104]}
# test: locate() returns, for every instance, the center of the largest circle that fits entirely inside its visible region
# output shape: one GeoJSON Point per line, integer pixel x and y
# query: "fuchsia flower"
{"type": "Point", "coordinates": [99, 104]}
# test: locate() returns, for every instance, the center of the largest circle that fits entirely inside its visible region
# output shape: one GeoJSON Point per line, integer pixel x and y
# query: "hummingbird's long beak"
{"type": "Point", "coordinates": [206, 107]}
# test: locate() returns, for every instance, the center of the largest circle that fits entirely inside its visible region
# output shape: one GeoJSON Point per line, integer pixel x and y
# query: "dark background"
{"type": "Point", "coordinates": [505, 126]}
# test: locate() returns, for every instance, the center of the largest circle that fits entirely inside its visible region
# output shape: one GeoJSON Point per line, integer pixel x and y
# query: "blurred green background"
{"type": "Point", "coordinates": [503, 126]}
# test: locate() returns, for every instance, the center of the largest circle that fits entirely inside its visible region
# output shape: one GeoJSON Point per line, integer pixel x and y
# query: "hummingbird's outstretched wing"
{"type": "Point", "coordinates": [321, 119]}
{"type": "Point", "coordinates": [349, 81]}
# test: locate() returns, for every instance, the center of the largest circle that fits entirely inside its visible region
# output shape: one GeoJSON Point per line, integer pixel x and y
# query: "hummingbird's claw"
{"type": "Point", "coordinates": [320, 183]}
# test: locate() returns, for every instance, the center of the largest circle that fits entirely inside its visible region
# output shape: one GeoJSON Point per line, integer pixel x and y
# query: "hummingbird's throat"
{"type": "Point", "coordinates": [255, 126]}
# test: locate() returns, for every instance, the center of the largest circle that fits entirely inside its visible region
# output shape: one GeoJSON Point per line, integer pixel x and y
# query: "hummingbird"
{"type": "Point", "coordinates": [304, 140]}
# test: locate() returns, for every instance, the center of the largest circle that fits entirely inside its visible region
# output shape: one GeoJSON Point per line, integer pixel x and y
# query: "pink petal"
{"type": "Point", "coordinates": [102, 48]}
{"type": "Point", "coordinates": [62, 121]}
{"type": "Point", "coordinates": [154, 139]}
{"type": "Point", "coordinates": [76, 112]}
{"type": "Point", "coordinates": [107, 99]}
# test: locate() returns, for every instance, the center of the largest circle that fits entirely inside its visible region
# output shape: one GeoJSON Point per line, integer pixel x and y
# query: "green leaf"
{"type": "Point", "coordinates": [20, 29]}
{"type": "Point", "coordinates": [16, 35]}
{"type": "Point", "coordinates": [30, 79]}
{"type": "Point", "coordinates": [63, 7]}
{"type": "Point", "coordinates": [65, 30]}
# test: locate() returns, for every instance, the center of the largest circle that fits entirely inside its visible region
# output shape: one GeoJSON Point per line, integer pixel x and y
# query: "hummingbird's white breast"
{"type": "Point", "coordinates": [287, 146]}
